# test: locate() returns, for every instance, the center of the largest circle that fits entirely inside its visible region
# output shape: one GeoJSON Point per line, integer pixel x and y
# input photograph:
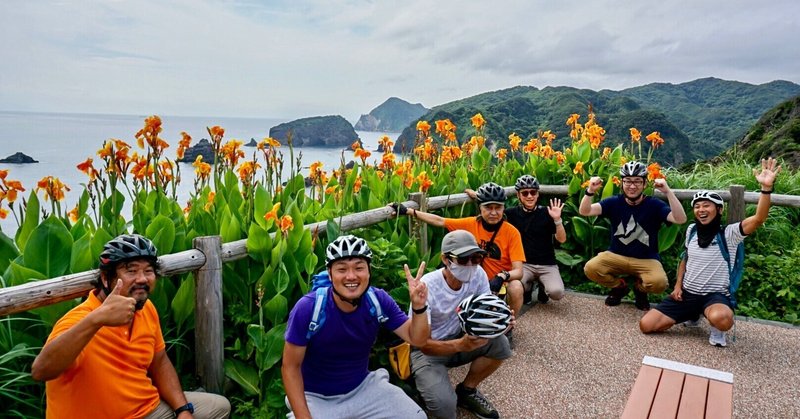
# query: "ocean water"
{"type": "Point", "coordinates": [60, 141]}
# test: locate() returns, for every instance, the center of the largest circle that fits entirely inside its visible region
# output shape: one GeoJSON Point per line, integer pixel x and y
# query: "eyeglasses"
{"type": "Point", "coordinates": [528, 192]}
{"type": "Point", "coordinates": [635, 182]}
{"type": "Point", "coordinates": [476, 259]}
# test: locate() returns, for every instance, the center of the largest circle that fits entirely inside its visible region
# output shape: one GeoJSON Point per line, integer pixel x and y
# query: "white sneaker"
{"type": "Point", "coordinates": [717, 337]}
{"type": "Point", "coordinates": [692, 323]}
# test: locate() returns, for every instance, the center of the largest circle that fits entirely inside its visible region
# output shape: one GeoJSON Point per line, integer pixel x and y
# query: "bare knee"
{"type": "Point", "coordinates": [654, 321]}
{"type": "Point", "coordinates": [721, 320]}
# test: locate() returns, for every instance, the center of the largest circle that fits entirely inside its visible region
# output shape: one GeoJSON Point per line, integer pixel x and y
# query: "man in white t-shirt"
{"type": "Point", "coordinates": [448, 346]}
{"type": "Point", "coordinates": [703, 280]}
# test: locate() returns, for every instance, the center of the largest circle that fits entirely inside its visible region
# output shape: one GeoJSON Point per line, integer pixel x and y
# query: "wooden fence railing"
{"type": "Point", "coordinates": [208, 255]}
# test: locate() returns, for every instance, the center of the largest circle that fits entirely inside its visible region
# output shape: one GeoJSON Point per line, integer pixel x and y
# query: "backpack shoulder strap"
{"type": "Point", "coordinates": [318, 313]}
{"type": "Point", "coordinates": [375, 306]}
{"type": "Point", "coordinates": [723, 248]}
{"type": "Point", "coordinates": [692, 233]}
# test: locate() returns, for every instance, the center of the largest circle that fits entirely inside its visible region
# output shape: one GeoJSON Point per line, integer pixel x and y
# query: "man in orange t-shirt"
{"type": "Point", "coordinates": [502, 241]}
{"type": "Point", "coordinates": [106, 357]}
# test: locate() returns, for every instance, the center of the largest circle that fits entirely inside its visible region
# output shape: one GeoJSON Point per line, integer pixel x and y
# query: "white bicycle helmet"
{"type": "Point", "coordinates": [526, 182]}
{"type": "Point", "coordinates": [484, 316]}
{"type": "Point", "coordinates": [491, 193]}
{"type": "Point", "coordinates": [707, 196]}
{"type": "Point", "coordinates": [633, 169]}
{"type": "Point", "coordinates": [347, 247]}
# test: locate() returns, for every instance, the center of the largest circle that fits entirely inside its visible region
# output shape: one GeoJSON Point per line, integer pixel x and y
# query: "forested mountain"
{"type": "Point", "coordinates": [697, 119]}
{"type": "Point", "coordinates": [392, 115]}
{"type": "Point", "coordinates": [776, 134]}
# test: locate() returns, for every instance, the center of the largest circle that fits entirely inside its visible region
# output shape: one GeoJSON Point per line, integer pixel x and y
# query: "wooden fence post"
{"type": "Point", "coordinates": [419, 198]}
{"type": "Point", "coordinates": [736, 204]}
{"type": "Point", "coordinates": [208, 315]}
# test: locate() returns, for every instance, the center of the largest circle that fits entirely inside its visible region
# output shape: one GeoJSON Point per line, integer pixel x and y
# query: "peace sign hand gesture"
{"type": "Point", "coordinates": [417, 290]}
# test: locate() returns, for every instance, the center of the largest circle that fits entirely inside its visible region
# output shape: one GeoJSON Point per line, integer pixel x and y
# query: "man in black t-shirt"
{"type": "Point", "coordinates": [537, 225]}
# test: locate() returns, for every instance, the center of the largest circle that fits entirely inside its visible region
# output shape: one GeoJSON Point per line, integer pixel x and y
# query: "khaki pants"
{"type": "Point", "coordinates": [606, 268]}
{"type": "Point", "coordinates": [548, 275]}
{"type": "Point", "coordinates": [206, 405]}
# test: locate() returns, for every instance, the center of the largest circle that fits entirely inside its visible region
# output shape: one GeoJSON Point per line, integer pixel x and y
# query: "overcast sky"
{"type": "Point", "coordinates": [289, 59]}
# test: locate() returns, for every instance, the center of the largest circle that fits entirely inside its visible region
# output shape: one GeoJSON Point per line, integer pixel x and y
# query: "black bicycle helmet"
{"type": "Point", "coordinates": [126, 247]}
{"type": "Point", "coordinates": [526, 182]}
{"type": "Point", "coordinates": [633, 169]}
{"type": "Point", "coordinates": [707, 196]}
{"type": "Point", "coordinates": [484, 316]}
{"type": "Point", "coordinates": [491, 193]}
{"type": "Point", "coordinates": [346, 247]}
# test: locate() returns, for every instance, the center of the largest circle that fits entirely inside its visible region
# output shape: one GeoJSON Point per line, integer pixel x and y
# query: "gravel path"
{"type": "Point", "coordinates": [577, 358]}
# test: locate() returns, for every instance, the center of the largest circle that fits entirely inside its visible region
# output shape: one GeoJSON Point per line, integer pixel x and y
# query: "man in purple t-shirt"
{"type": "Point", "coordinates": [327, 374]}
{"type": "Point", "coordinates": [635, 221]}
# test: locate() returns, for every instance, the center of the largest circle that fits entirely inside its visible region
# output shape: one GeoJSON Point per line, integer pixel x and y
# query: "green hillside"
{"type": "Point", "coordinates": [697, 119]}
{"type": "Point", "coordinates": [776, 134]}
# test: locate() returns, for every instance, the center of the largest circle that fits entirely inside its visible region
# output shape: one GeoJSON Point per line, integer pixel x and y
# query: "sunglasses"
{"type": "Point", "coordinates": [528, 192]}
{"type": "Point", "coordinates": [476, 259]}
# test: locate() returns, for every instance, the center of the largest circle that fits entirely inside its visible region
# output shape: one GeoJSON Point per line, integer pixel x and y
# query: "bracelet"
{"type": "Point", "coordinates": [587, 193]}
{"type": "Point", "coordinates": [766, 192]}
{"type": "Point", "coordinates": [420, 310]}
{"type": "Point", "coordinates": [415, 212]}
{"type": "Point", "coordinates": [188, 407]}
{"type": "Point", "coordinates": [559, 222]}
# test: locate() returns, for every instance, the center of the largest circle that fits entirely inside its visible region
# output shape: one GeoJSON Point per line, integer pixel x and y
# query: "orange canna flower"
{"type": "Point", "coordinates": [654, 172]}
{"type": "Point", "coordinates": [357, 185]}
{"type": "Point", "coordinates": [386, 143]}
{"type": "Point", "coordinates": [247, 170]}
{"type": "Point", "coordinates": [606, 153]}
{"type": "Point", "coordinates": [330, 189]}
{"type": "Point", "coordinates": [578, 168]}
{"type": "Point", "coordinates": [362, 154]}
{"type": "Point", "coordinates": [273, 213]}
{"type": "Point", "coordinates": [424, 181]}
{"type": "Point", "coordinates": [3, 174]}
{"type": "Point", "coordinates": [424, 127]}
{"type": "Point", "coordinates": [635, 135]}
{"type": "Point", "coordinates": [560, 157]}
{"type": "Point", "coordinates": [286, 223]}
{"type": "Point", "coordinates": [532, 146]}
{"type": "Point", "coordinates": [513, 141]}
{"type": "Point", "coordinates": [477, 121]}
{"type": "Point", "coordinates": [356, 145]}
{"type": "Point", "coordinates": [573, 119]}
{"type": "Point", "coordinates": [210, 200]}
{"type": "Point", "coordinates": [3, 213]}
{"type": "Point", "coordinates": [409, 180]}
{"type": "Point", "coordinates": [546, 151]}
{"type": "Point", "coordinates": [270, 142]}
{"type": "Point", "coordinates": [73, 214]}
{"type": "Point", "coordinates": [186, 139]}
{"type": "Point", "coordinates": [53, 188]}
{"type": "Point", "coordinates": [615, 180]}
{"type": "Point", "coordinates": [88, 168]}
{"type": "Point", "coordinates": [11, 195]}
{"type": "Point", "coordinates": [387, 161]}
{"type": "Point", "coordinates": [585, 184]}
{"type": "Point", "coordinates": [655, 139]}
{"type": "Point", "coordinates": [201, 169]}
{"type": "Point", "coordinates": [502, 153]}
{"type": "Point", "coordinates": [380, 174]}
{"type": "Point", "coordinates": [548, 137]}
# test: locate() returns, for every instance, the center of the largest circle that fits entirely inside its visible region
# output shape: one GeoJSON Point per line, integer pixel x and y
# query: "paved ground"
{"type": "Point", "coordinates": [577, 358]}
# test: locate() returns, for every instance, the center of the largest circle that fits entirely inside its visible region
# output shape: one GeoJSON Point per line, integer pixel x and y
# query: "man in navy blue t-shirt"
{"type": "Point", "coordinates": [635, 221]}
{"type": "Point", "coordinates": [327, 375]}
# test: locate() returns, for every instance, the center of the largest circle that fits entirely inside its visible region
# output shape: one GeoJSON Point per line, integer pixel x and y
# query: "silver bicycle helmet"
{"type": "Point", "coordinates": [633, 169]}
{"type": "Point", "coordinates": [707, 196]}
{"type": "Point", "coordinates": [347, 247]}
{"type": "Point", "coordinates": [526, 182]}
{"type": "Point", "coordinates": [491, 193]}
{"type": "Point", "coordinates": [126, 247]}
{"type": "Point", "coordinates": [484, 316]}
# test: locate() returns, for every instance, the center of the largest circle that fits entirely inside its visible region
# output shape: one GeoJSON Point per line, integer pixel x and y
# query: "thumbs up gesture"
{"type": "Point", "coordinates": [117, 309]}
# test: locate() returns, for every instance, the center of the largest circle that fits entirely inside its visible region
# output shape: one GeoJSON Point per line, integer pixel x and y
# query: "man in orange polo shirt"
{"type": "Point", "coordinates": [106, 357]}
{"type": "Point", "coordinates": [502, 242]}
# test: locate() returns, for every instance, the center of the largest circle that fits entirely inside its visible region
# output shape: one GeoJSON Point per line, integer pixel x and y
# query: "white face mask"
{"type": "Point", "coordinates": [461, 272]}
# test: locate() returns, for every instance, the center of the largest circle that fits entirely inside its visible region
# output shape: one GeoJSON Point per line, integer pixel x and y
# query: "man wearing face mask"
{"type": "Point", "coordinates": [448, 346]}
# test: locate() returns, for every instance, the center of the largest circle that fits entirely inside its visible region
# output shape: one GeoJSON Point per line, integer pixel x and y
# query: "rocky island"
{"type": "Point", "coordinates": [18, 158]}
{"type": "Point", "coordinates": [316, 131]}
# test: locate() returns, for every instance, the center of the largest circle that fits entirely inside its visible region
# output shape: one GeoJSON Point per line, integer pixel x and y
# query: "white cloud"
{"type": "Point", "coordinates": [292, 59]}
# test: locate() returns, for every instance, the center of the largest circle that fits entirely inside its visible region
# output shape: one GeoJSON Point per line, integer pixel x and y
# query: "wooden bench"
{"type": "Point", "coordinates": [669, 389]}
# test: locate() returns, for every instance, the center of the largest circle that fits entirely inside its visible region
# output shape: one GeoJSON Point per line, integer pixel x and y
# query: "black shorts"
{"type": "Point", "coordinates": [692, 306]}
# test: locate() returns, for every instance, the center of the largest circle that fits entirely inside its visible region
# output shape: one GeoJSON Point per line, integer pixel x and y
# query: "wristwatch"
{"type": "Point", "coordinates": [188, 407]}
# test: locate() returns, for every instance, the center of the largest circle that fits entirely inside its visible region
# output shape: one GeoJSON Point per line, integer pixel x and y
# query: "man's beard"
{"type": "Point", "coordinates": [140, 300]}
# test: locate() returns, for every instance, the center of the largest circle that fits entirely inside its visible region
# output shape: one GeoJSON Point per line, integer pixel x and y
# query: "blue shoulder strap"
{"type": "Point", "coordinates": [321, 299]}
{"type": "Point", "coordinates": [318, 313]}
